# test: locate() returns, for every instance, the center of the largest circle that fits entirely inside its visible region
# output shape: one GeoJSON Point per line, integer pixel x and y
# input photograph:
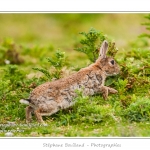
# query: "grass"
{"type": "Point", "coordinates": [27, 40]}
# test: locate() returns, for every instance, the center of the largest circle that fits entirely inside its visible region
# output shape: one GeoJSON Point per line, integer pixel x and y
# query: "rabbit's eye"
{"type": "Point", "coordinates": [112, 62]}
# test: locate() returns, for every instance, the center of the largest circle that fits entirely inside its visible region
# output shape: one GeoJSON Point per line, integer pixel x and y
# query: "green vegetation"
{"type": "Point", "coordinates": [35, 48]}
{"type": "Point", "coordinates": [92, 42]}
{"type": "Point", "coordinates": [147, 24]}
{"type": "Point", "coordinates": [58, 63]}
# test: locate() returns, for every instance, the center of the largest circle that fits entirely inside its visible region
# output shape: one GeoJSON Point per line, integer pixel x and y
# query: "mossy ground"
{"type": "Point", "coordinates": [31, 38]}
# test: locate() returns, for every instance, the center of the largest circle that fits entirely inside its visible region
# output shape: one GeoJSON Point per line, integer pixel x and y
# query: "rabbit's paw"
{"type": "Point", "coordinates": [106, 90]}
{"type": "Point", "coordinates": [111, 90]}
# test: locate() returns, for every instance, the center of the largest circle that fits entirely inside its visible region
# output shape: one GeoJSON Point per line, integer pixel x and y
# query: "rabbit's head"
{"type": "Point", "coordinates": [107, 64]}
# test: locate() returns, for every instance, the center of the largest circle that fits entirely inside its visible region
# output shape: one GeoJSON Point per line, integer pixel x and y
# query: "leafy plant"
{"type": "Point", "coordinates": [58, 62]}
{"type": "Point", "coordinates": [44, 71]}
{"type": "Point", "coordinates": [14, 75]}
{"type": "Point", "coordinates": [147, 25]}
{"type": "Point", "coordinates": [4, 89]}
{"type": "Point", "coordinates": [91, 44]}
{"type": "Point", "coordinates": [139, 110]}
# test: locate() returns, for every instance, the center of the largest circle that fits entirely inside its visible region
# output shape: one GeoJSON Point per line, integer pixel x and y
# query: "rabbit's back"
{"type": "Point", "coordinates": [61, 92]}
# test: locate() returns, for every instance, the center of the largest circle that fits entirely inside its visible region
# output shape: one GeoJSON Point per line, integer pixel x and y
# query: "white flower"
{"type": "Point", "coordinates": [7, 61]}
{"type": "Point", "coordinates": [9, 134]}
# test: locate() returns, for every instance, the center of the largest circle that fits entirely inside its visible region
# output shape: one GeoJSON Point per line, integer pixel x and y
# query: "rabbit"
{"type": "Point", "coordinates": [50, 97]}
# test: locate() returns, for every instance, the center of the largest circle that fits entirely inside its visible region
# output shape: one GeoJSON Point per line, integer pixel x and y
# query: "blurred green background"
{"type": "Point", "coordinates": [61, 29]}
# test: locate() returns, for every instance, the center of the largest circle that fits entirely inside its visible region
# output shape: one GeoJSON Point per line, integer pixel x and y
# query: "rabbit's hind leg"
{"type": "Point", "coordinates": [46, 110]}
{"type": "Point", "coordinates": [29, 110]}
{"type": "Point", "coordinates": [38, 116]}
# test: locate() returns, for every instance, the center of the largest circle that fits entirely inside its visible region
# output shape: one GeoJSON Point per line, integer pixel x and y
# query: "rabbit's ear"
{"type": "Point", "coordinates": [103, 49]}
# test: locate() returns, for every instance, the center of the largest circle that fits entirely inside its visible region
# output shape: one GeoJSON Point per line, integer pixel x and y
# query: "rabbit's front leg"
{"type": "Point", "coordinates": [106, 90]}
{"type": "Point", "coordinates": [111, 90]}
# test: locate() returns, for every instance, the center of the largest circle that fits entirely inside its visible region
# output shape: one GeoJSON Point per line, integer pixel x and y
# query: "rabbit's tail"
{"type": "Point", "coordinates": [25, 101]}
